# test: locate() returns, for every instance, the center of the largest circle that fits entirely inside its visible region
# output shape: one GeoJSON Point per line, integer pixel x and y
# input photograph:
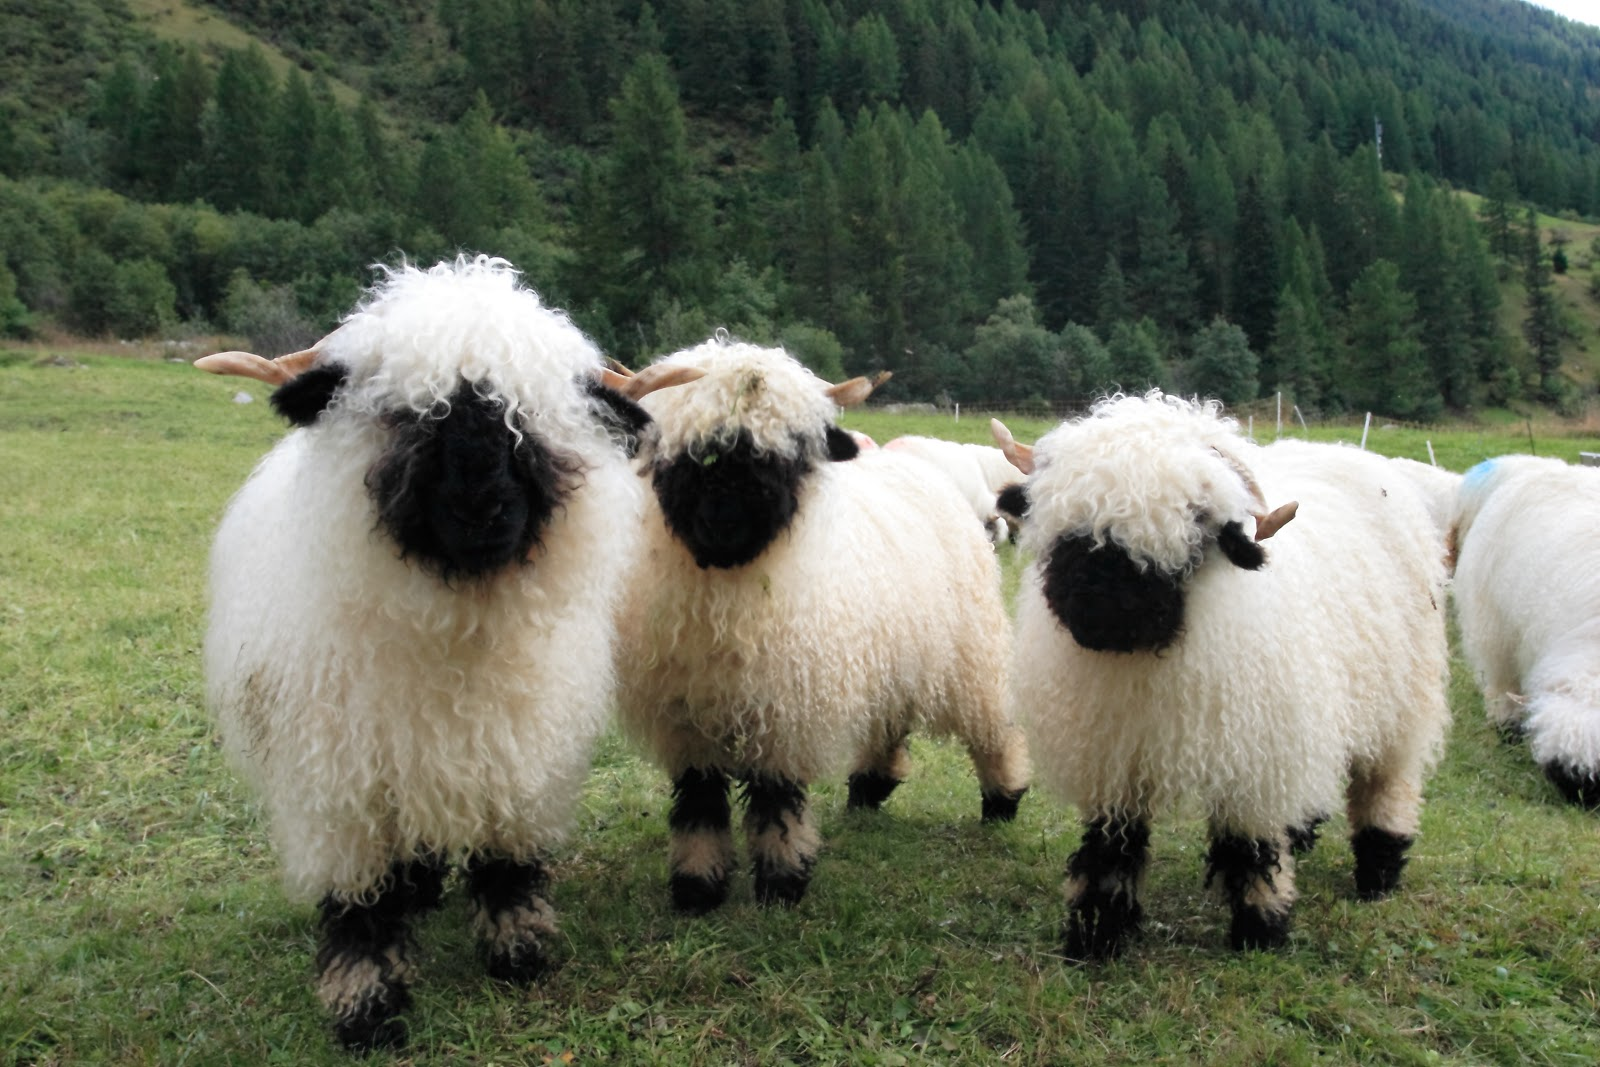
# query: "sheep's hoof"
{"type": "Point", "coordinates": [1256, 929]}
{"type": "Point", "coordinates": [1577, 786]}
{"type": "Point", "coordinates": [520, 964]}
{"type": "Point", "coordinates": [693, 895]}
{"type": "Point", "coordinates": [869, 789]}
{"type": "Point", "coordinates": [374, 1022]}
{"type": "Point", "coordinates": [784, 888]}
{"type": "Point", "coordinates": [1000, 805]}
{"type": "Point", "coordinates": [1303, 838]}
{"type": "Point", "coordinates": [1099, 931]}
{"type": "Point", "coordinates": [1380, 857]}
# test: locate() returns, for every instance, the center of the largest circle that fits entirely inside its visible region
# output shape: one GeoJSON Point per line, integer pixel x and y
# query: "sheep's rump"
{"type": "Point", "coordinates": [878, 610]}
{"type": "Point", "coordinates": [381, 714]}
{"type": "Point", "coordinates": [1334, 652]}
{"type": "Point", "coordinates": [1527, 597]}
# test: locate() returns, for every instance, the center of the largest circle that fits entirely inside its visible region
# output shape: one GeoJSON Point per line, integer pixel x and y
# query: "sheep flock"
{"type": "Point", "coordinates": [481, 544]}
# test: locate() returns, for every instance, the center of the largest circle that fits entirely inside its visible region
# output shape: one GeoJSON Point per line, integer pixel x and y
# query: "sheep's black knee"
{"type": "Point", "coordinates": [1303, 838]}
{"type": "Point", "coordinates": [363, 965]}
{"type": "Point", "coordinates": [869, 789]}
{"type": "Point", "coordinates": [1577, 785]}
{"type": "Point", "coordinates": [1249, 870]}
{"type": "Point", "coordinates": [1103, 909]}
{"type": "Point", "coordinates": [511, 915]}
{"type": "Point", "coordinates": [700, 821]}
{"type": "Point", "coordinates": [783, 846]}
{"type": "Point", "coordinates": [1380, 857]}
{"type": "Point", "coordinates": [1000, 805]}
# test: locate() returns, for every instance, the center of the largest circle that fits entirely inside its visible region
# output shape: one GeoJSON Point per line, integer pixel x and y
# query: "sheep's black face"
{"type": "Point", "coordinates": [1106, 602]}
{"type": "Point", "coordinates": [728, 505]}
{"type": "Point", "coordinates": [462, 494]}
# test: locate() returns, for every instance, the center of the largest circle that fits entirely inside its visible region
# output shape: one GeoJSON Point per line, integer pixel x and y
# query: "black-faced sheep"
{"type": "Point", "coordinates": [798, 611]}
{"type": "Point", "coordinates": [411, 623]}
{"type": "Point", "coordinates": [1527, 599]}
{"type": "Point", "coordinates": [1164, 654]}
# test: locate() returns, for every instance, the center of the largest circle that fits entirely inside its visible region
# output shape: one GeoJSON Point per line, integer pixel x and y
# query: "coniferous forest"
{"type": "Point", "coordinates": [1004, 203]}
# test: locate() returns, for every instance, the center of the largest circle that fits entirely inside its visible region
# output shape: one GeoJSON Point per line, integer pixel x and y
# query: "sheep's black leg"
{"type": "Point", "coordinates": [702, 841]}
{"type": "Point", "coordinates": [783, 842]}
{"type": "Point", "coordinates": [1103, 879]}
{"type": "Point", "coordinates": [1380, 857]}
{"type": "Point", "coordinates": [1303, 838]}
{"type": "Point", "coordinates": [1578, 785]}
{"type": "Point", "coordinates": [1003, 774]}
{"type": "Point", "coordinates": [511, 915]}
{"type": "Point", "coordinates": [1257, 881]}
{"type": "Point", "coordinates": [871, 784]}
{"type": "Point", "coordinates": [1384, 804]}
{"type": "Point", "coordinates": [363, 960]}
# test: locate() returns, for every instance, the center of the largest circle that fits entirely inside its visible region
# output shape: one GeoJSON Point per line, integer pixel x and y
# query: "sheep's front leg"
{"type": "Point", "coordinates": [877, 777]}
{"type": "Point", "coordinates": [1104, 877]}
{"type": "Point", "coordinates": [701, 858]}
{"type": "Point", "coordinates": [1256, 876]}
{"type": "Point", "coordinates": [783, 842]}
{"type": "Point", "coordinates": [364, 962]}
{"type": "Point", "coordinates": [511, 915]}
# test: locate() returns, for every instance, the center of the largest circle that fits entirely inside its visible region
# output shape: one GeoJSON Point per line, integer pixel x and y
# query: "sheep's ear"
{"type": "Point", "coordinates": [623, 419]}
{"type": "Point", "coordinates": [841, 446]}
{"type": "Point", "coordinates": [1239, 548]}
{"type": "Point", "coordinates": [303, 398]}
{"type": "Point", "coordinates": [1013, 499]}
{"type": "Point", "coordinates": [1020, 455]}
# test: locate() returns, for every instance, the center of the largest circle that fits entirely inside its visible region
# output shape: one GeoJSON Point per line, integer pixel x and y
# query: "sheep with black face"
{"type": "Point", "coordinates": [799, 610]}
{"type": "Point", "coordinates": [1165, 655]}
{"type": "Point", "coordinates": [410, 633]}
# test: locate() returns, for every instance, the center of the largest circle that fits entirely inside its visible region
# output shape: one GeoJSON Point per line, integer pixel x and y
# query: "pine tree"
{"type": "Point", "coordinates": [1255, 265]}
{"type": "Point", "coordinates": [1542, 326]}
{"type": "Point", "coordinates": [1387, 370]}
{"type": "Point", "coordinates": [1134, 355]}
{"type": "Point", "coordinates": [1498, 213]}
{"type": "Point", "coordinates": [241, 172]}
{"type": "Point", "coordinates": [1223, 364]}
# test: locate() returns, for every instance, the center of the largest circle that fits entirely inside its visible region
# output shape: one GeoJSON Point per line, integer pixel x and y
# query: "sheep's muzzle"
{"type": "Point", "coordinates": [1106, 601]}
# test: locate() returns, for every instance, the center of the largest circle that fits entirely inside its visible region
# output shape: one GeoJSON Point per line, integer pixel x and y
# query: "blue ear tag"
{"type": "Point", "coordinates": [1479, 473]}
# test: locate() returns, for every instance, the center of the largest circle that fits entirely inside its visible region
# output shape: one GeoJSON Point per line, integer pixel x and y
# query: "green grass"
{"type": "Point", "coordinates": [141, 920]}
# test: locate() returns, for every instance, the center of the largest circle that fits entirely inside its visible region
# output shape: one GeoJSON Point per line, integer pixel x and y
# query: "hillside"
{"type": "Point", "coordinates": [1026, 202]}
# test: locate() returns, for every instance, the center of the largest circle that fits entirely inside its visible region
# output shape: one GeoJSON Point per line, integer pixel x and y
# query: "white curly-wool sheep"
{"type": "Point", "coordinates": [798, 610]}
{"type": "Point", "coordinates": [1527, 599]}
{"type": "Point", "coordinates": [978, 471]}
{"type": "Point", "coordinates": [411, 622]}
{"type": "Point", "coordinates": [1438, 486]}
{"type": "Point", "coordinates": [1164, 655]}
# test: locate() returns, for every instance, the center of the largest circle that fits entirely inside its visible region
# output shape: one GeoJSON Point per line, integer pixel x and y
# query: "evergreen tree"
{"type": "Point", "coordinates": [1499, 213]}
{"type": "Point", "coordinates": [1162, 285]}
{"type": "Point", "coordinates": [1083, 366]}
{"type": "Point", "coordinates": [1542, 326]}
{"type": "Point", "coordinates": [1013, 355]}
{"type": "Point", "coordinates": [1134, 356]}
{"type": "Point", "coordinates": [1112, 306]}
{"type": "Point", "coordinates": [1431, 269]}
{"type": "Point", "coordinates": [1223, 365]}
{"type": "Point", "coordinates": [241, 172]}
{"type": "Point", "coordinates": [1255, 266]}
{"type": "Point", "coordinates": [1387, 370]}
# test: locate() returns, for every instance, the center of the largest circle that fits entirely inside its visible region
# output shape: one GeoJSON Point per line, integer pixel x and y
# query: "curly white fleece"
{"type": "Point", "coordinates": [380, 712]}
{"type": "Point", "coordinates": [1527, 598]}
{"type": "Point", "coordinates": [1331, 656]}
{"type": "Point", "coordinates": [877, 611]}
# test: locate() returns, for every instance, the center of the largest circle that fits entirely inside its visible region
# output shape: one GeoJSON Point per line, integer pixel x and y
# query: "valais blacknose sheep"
{"type": "Point", "coordinates": [1164, 654]}
{"type": "Point", "coordinates": [796, 611]}
{"type": "Point", "coordinates": [1526, 538]}
{"type": "Point", "coordinates": [412, 600]}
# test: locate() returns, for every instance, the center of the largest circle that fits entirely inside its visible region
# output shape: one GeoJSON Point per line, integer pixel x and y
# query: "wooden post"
{"type": "Point", "coordinates": [1364, 430]}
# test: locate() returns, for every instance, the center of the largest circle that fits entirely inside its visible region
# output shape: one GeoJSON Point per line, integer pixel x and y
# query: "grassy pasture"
{"type": "Point", "coordinates": [141, 920]}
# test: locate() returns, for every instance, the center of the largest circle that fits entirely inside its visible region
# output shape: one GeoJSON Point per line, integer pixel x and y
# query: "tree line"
{"type": "Point", "coordinates": [999, 202]}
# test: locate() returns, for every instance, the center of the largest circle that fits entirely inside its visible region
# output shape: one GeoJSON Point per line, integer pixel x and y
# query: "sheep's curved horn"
{"type": "Point", "coordinates": [249, 365]}
{"type": "Point", "coordinates": [856, 390]}
{"type": "Point", "coordinates": [1275, 520]}
{"type": "Point", "coordinates": [1020, 455]}
{"type": "Point", "coordinates": [656, 376]}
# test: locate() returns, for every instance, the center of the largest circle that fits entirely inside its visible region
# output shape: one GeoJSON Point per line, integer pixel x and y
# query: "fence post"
{"type": "Point", "coordinates": [1280, 412]}
{"type": "Point", "coordinates": [958, 411]}
{"type": "Point", "coordinates": [1302, 418]}
{"type": "Point", "coordinates": [1435, 462]}
{"type": "Point", "coordinates": [1364, 430]}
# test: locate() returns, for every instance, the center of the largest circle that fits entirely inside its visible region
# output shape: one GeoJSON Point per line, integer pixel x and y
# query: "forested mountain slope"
{"type": "Point", "coordinates": [1002, 202]}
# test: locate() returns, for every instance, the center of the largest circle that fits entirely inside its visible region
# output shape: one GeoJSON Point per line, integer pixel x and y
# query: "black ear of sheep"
{"type": "Point", "coordinates": [623, 419]}
{"type": "Point", "coordinates": [841, 446]}
{"type": "Point", "coordinates": [1240, 548]}
{"type": "Point", "coordinates": [303, 398]}
{"type": "Point", "coordinates": [1013, 499]}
